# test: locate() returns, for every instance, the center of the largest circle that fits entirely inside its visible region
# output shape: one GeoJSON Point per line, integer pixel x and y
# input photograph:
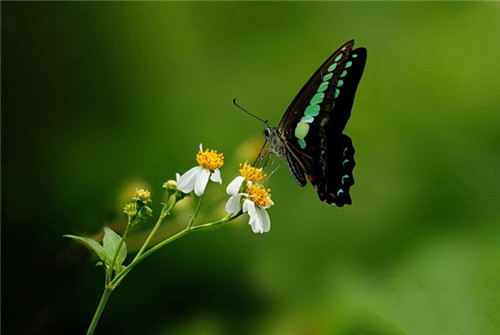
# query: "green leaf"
{"type": "Point", "coordinates": [110, 242]}
{"type": "Point", "coordinates": [94, 245]}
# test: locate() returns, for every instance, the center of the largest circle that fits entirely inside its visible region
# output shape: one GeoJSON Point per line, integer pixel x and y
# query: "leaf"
{"type": "Point", "coordinates": [110, 242]}
{"type": "Point", "coordinates": [92, 244]}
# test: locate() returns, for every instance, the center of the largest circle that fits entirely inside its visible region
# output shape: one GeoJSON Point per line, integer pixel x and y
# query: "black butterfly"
{"type": "Point", "coordinates": [309, 136]}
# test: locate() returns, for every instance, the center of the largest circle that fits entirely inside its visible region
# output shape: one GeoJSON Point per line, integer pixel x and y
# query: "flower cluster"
{"type": "Point", "coordinates": [250, 197]}
{"type": "Point", "coordinates": [140, 209]}
{"type": "Point", "coordinates": [246, 195]}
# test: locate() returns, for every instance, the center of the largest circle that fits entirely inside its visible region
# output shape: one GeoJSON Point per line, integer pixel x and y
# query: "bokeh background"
{"type": "Point", "coordinates": [101, 98]}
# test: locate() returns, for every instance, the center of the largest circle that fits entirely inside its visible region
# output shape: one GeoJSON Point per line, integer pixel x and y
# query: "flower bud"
{"type": "Point", "coordinates": [130, 209]}
{"type": "Point", "coordinates": [142, 195]}
{"type": "Point", "coordinates": [170, 185]}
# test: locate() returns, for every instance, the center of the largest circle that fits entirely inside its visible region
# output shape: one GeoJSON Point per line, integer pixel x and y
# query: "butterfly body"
{"type": "Point", "coordinates": [310, 135]}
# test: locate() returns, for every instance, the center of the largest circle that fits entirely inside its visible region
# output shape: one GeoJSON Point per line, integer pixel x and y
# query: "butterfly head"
{"type": "Point", "coordinates": [276, 142]}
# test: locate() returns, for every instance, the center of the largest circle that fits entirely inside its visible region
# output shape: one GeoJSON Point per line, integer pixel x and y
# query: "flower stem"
{"type": "Point", "coordinates": [100, 308]}
{"type": "Point", "coordinates": [164, 212]}
{"type": "Point", "coordinates": [196, 212]}
{"type": "Point", "coordinates": [225, 219]}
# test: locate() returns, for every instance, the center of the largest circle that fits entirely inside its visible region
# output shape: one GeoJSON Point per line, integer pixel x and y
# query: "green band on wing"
{"type": "Point", "coordinates": [348, 64]}
{"type": "Point", "coordinates": [340, 83]}
{"type": "Point", "coordinates": [312, 110]}
{"type": "Point", "coordinates": [332, 67]}
{"type": "Point", "coordinates": [317, 98]}
{"type": "Point", "coordinates": [323, 86]}
{"type": "Point", "coordinates": [338, 58]}
{"type": "Point", "coordinates": [337, 92]}
{"type": "Point", "coordinates": [301, 130]}
{"type": "Point", "coordinates": [308, 119]}
{"type": "Point", "coordinates": [343, 74]}
{"type": "Point", "coordinates": [328, 76]}
{"type": "Point", "coordinates": [302, 143]}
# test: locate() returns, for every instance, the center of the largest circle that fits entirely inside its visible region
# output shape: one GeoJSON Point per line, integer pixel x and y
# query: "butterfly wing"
{"type": "Point", "coordinates": [312, 126]}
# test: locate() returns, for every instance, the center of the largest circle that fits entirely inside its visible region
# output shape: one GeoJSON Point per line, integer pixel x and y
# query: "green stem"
{"type": "Point", "coordinates": [164, 212]}
{"type": "Point", "coordinates": [100, 308]}
{"type": "Point", "coordinates": [196, 212]}
{"type": "Point", "coordinates": [225, 219]}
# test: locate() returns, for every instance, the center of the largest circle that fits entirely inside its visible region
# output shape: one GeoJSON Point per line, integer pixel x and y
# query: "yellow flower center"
{"type": "Point", "coordinates": [210, 159]}
{"type": "Point", "coordinates": [251, 173]}
{"type": "Point", "coordinates": [260, 195]}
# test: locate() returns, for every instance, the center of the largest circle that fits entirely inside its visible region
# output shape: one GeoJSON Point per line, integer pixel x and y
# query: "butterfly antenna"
{"type": "Point", "coordinates": [258, 118]}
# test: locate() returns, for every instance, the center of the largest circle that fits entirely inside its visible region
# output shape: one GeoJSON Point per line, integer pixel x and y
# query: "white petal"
{"type": "Point", "coordinates": [177, 176]}
{"type": "Point", "coordinates": [255, 216]}
{"type": "Point", "coordinates": [266, 221]}
{"type": "Point", "coordinates": [215, 177]}
{"type": "Point", "coordinates": [248, 205]}
{"type": "Point", "coordinates": [233, 204]}
{"type": "Point", "coordinates": [187, 181]}
{"type": "Point", "coordinates": [234, 185]}
{"type": "Point", "coordinates": [201, 147]}
{"type": "Point", "coordinates": [201, 182]}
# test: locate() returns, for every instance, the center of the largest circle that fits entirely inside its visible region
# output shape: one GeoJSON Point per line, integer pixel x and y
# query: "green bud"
{"type": "Point", "coordinates": [142, 195]}
{"type": "Point", "coordinates": [130, 209]}
{"type": "Point", "coordinates": [170, 185]}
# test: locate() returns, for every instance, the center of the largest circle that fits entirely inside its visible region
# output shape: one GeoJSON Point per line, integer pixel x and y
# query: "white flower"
{"type": "Point", "coordinates": [197, 178]}
{"type": "Point", "coordinates": [255, 203]}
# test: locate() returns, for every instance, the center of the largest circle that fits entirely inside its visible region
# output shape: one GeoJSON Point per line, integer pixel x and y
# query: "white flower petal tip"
{"type": "Point", "coordinates": [234, 185]}
{"type": "Point", "coordinates": [201, 182]}
{"type": "Point", "coordinates": [266, 221]}
{"type": "Point", "coordinates": [215, 177]}
{"type": "Point", "coordinates": [201, 147]}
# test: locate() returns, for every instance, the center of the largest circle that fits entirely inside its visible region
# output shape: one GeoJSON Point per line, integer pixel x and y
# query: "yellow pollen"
{"type": "Point", "coordinates": [260, 195]}
{"type": "Point", "coordinates": [251, 173]}
{"type": "Point", "coordinates": [210, 159]}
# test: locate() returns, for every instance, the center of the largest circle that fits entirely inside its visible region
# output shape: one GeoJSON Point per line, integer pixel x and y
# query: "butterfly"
{"type": "Point", "coordinates": [310, 134]}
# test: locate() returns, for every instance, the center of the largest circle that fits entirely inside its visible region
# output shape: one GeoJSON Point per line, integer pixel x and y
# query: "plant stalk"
{"type": "Point", "coordinates": [100, 308]}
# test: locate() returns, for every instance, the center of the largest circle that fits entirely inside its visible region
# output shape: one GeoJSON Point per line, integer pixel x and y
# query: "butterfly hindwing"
{"type": "Point", "coordinates": [337, 180]}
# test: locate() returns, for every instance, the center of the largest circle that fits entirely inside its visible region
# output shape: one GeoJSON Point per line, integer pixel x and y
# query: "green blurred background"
{"type": "Point", "coordinates": [100, 98]}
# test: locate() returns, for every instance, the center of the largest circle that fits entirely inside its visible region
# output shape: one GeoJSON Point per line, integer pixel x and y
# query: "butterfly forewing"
{"type": "Point", "coordinates": [311, 128]}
